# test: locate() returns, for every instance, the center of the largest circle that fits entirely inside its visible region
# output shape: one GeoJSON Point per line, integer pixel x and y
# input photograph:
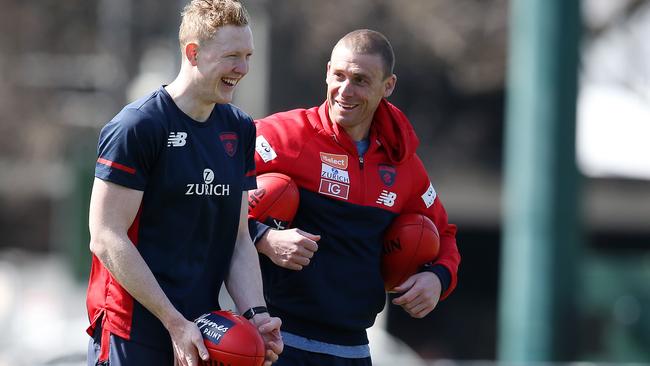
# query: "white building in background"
{"type": "Point", "coordinates": [614, 99]}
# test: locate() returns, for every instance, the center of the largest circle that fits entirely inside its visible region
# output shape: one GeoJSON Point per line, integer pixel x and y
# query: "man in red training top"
{"type": "Point", "coordinates": [353, 159]}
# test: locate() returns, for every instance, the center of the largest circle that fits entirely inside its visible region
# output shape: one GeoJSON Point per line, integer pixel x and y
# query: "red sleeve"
{"type": "Point", "coordinates": [424, 200]}
{"type": "Point", "coordinates": [279, 142]}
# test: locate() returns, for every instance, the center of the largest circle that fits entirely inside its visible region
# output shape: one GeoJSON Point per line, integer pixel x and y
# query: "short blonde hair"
{"type": "Point", "coordinates": [200, 19]}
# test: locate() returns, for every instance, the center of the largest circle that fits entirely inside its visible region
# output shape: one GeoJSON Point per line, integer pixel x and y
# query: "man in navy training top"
{"type": "Point", "coordinates": [353, 159]}
{"type": "Point", "coordinates": [167, 218]}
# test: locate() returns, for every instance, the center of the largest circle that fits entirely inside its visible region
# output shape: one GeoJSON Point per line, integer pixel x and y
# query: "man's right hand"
{"type": "Point", "coordinates": [291, 249]}
{"type": "Point", "coordinates": [187, 340]}
{"type": "Point", "coordinates": [269, 328]}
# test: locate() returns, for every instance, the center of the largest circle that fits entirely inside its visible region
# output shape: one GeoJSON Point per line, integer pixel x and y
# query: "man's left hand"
{"type": "Point", "coordinates": [269, 328]}
{"type": "Point", "coordinates": [421, 293]}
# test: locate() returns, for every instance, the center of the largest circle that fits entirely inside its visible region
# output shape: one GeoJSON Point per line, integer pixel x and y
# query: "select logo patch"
{"type": "Point", "coordinates": [229, 141]}
{"type": "Point", "coordinates": [335, 160]}
{"type": "Point", "coordinates": [387, 174]}
{"type": "Point", "coordinates": [334, 189]}
{"type": "Point", "coordinates": [213, 326]}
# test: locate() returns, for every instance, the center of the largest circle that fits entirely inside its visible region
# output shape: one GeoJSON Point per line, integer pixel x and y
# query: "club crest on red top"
{"type": "Point", "coordinates": [229, 140]}
{"type": "Point", "coordinates": [387, 174]}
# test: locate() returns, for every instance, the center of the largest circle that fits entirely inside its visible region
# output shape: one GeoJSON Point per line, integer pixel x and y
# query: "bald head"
{"type": "Point", "coordinates": [369, 42]}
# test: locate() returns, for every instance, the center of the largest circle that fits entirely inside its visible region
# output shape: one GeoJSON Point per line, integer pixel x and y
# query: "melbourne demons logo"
{"type": "Point", "coordinates": [387, 174]}
{"type": "Point", "coordinates": [229, 141]}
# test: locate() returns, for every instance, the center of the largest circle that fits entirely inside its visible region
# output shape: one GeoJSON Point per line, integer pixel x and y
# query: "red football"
{"type": "Point", "coordinates": [230, 339]}
{"type": "Point", "coordinates": [275, 201]}
{"type": "Point", "coordinates": [410, 241]}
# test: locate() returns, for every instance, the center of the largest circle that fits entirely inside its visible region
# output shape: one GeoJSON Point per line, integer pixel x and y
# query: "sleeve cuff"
{"type": "Point", "coordinates": [442, 272]}
{"type": "Point", "coordinates": [257, 229]}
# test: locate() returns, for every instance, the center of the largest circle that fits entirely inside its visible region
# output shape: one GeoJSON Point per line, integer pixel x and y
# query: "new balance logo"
{"type": "Point", "coordinates": [387, 198]}
{"type": "Point", "coordinates": [177, 139]}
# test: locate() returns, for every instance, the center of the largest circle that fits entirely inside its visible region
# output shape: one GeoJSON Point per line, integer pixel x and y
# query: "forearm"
{"type": "Point", "coordinates": [120, 257]}
{"type": "Point", "coordinates": [244, 282]}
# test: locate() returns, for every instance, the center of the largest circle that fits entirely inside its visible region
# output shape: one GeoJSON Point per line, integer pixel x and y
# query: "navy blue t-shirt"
{"type": "Point", "coordinates": [193, 175]}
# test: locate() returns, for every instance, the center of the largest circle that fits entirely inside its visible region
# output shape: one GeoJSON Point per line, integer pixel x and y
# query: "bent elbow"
{"type": "Point", "coordinates": [97, 247]}
{"type": "Point", "coordinates": [98, 244]}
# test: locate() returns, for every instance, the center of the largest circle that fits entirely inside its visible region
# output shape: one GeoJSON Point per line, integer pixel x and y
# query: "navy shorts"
{"type": "Point", "coordinates": [122, 352]}
{"type": "Point", "coordinates": [297, 357]}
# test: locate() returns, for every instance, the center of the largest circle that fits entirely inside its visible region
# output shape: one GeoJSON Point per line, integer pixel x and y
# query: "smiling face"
{"type": "Point", "coordinates": [222, 62]}
{"type": "Point", "coordinates": [356, 83]}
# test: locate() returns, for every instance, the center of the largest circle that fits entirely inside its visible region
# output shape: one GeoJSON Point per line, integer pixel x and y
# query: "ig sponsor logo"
{"type": "Point", "coordinates": [334, 189]}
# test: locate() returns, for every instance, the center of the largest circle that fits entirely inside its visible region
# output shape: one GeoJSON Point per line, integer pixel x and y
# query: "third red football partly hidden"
{"type": "Point", "coordinates": [275, 201]}
{"type": "Point", "coordinates": [410, 241]}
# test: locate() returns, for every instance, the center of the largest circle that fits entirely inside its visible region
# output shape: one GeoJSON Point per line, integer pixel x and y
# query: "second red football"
{"type": "Point", "coordinates": [275, 201]}
{"type": "Point", "coordinates": [410, 241]}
